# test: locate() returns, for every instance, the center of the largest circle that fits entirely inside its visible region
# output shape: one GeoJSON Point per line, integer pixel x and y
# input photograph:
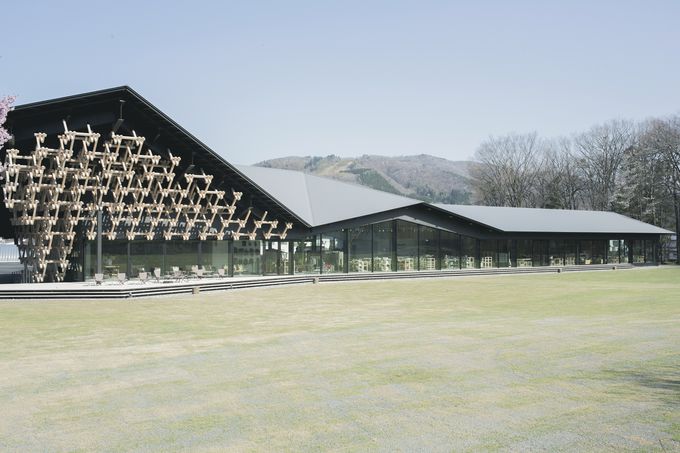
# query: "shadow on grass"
{"type": "Point", "coordinates": [663, 379]}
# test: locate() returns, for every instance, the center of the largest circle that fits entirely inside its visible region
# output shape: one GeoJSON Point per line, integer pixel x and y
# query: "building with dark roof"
{"type": "Point", "coordinates": [105, 183]}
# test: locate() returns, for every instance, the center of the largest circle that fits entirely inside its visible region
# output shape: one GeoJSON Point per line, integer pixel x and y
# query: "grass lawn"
{"type": "Point", "coordinates": [581, 361]}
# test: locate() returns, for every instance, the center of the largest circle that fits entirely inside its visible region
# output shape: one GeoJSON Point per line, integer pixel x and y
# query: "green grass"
{"type": "Point", "coordinates": [583, 361]}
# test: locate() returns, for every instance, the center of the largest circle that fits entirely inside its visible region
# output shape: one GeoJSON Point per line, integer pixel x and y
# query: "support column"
{"type": "Point", "coordinates": [345, 249]}
{"type": "Point", "coordinates": [99, 241]}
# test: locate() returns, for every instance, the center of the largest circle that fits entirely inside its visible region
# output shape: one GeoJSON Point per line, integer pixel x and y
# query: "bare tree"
{"type": "Point", "coordinates": [661, 143]}
{"type": "Point", "coordinates": [600, 151]}
{"type": "Point", "coordinates": [560, 185]}
{"type": "Point", "coordinates": [506, 169]}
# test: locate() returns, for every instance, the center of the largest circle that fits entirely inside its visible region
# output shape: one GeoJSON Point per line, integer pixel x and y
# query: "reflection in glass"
{"type": "Point", "coordinates": [540, 252]}
{"type": "Point", "coordinates": [248, 257]}
{"type": "Point", "coordinates": [428, 249]}
{"type": "Point", "coordinates": [114, 258]}
{"type": "Point", "coordinates": [623, 245]}
{"type": "Point", "coordinates": [468, 253]}
{"type": "Point", "coordinates": [487, 253]}
{"type": "Point", "coordinates": [613, 252]}
{"type": "Point", "coordinates": [145, 256]}
{"type": "Point", "coordinates": [407, 246]}
{"type": "Point", "coordinates": [525, 253]}
{"type": "Point", "coordinates": [360, 249]}
{"type": "Point", "coordinates": [333, 251]}
{"type": "Point", "coordinates": [181, 255]}
{"type": "Point", "coordinates": [556, 250]}
{"type": "Point", "coordinates": [649, 251]}
{"type": "Point", "coordinates": [307, 256]}
{"type": "Point", "coordinates": [569, 252]}
{"type": "Point", "coordinates": [504, 248]}
{"type": "Point", "coordinates": [450, 250]}
{"type": "Point", "coordinates": [383, 250]}
{"type": "Point", "coordinates": [271, 258]}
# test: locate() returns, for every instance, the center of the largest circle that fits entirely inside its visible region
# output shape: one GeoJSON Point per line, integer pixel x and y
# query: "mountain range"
{"type": "Point", "coordinates": [425, 177]}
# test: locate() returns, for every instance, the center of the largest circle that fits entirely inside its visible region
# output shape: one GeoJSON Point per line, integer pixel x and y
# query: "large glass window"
{"type": "Point", "coordinates": [599, 251]}
{"type": "Point", "coordinates": [285, 249]}
{"type": "Point", "coordinates": [450, 250]}
{"type": "Point", "coordinates": [428, 249]}
{"type": "Point", "coordinates": [585, 252]}
{"type": "Point", "coordinates": [504, 248]}
{"type": "Point", "coordinates": [215, 255]}
{"type": "Point", "coordinates": [649, 251]}
{"type": "Point", "coordinates": [569, 252]}
{"type": "Point", "coordinates": [114, 258]}
{"type": "Point", "coordinates": [638, 247]}
{"type": "Point", "coordinates": [248, 257]}
{"type": "Point", "coordinates": [613, 252]}
{"type": "Point", "coordinates": [145, 256]}
{"type": "Point", "coordinates": [540, 252]}
{"type": "Point", "coordinates": [181, 255]}
{"type": "Point", "coordinates": [525, 253]}
{"type": "Point", "coordinates": [556, 252]}
{"type": "Point", "coordinates": [333, 251]}
{"type": "Point", "coordinates": [360, 249]}
{"type": "Point", "coordinates": [383, 250]}
{"type": "Point", "coordinates": [407, 246]}
{"type": "Point", "coordinates": [307, 256]}
{"type": "Point", "coordinates": [487, 253]}
{"type": "Point", "coordinates": [623, 250]}
{"type": "Point", "coordinates": [468, 252]}
{"type": "Point", "coordinates": [90, 255]}
{"type": "Point", "coordinates": [271, 258]}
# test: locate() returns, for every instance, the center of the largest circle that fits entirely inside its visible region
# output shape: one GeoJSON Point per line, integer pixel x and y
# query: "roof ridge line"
{"type": "Point", "coordinates": [309, 197]}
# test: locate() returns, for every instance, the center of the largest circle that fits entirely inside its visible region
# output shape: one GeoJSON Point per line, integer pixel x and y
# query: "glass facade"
{"type": "Point", "coordinates": [271, 258]}
{"type": "Point", "coordinates": [360, 249]}
{"type": "Point", "coordinates": [623, 248]}
{"type": "Point", "coordinates": [504, 253]}
{"type": "Point", "coordinates": [392, 246]}
{"type": "Point", "coordinates": [570, 252]}
{"type": "Point", "coordinates": [333, 252]}
{"type": "Point", "coordinates": [146, 256]}
{"type": "Point", "coordinates": [248, 257]}
{"type": "Point", "coordinates": [556, 250]}
{"type": "Point", "coordinates": [307, 256]}
{"type": "Point", "coordinates": [407, 246]}
{"type": "Point", "coordinates": [468, 259]}
{"type": "Point", "coordinates": [383, 247]}
{"type": "Point", "coordinates": [540, 255]}
{"type": "Point", "coordinates": [114, 257]}
{"type": "Point", "coordinates": [613, 252]}
{"type": "Point", "coordinates": [450, 251]}
{"type": "Point", "coordinates": [181, 255]}
{"type": "Point", "coordinates": [427, 246]}
{"type": "Point", "coordinates": [525, 253]}
{"type": "Point", "coordinates": [487, 253]}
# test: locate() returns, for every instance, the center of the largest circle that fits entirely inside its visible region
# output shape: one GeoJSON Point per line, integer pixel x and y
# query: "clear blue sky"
{"type": "Point", "coordinates": [258, 79]}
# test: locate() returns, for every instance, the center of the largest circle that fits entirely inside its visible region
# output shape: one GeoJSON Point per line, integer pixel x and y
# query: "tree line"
{"type": "Point", "coordinates": [632, 168]}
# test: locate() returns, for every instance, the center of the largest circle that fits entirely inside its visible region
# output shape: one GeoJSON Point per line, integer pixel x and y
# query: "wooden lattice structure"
{"type": "Point", "coordinates": [55, 193]}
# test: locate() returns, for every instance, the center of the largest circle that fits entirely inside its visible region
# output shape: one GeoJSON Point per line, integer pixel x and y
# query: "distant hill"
{"type": "Point", "coordinates": [425, 177]}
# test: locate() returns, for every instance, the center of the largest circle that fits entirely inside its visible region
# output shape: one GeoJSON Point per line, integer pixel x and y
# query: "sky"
{"type": "Point", "coordinates": [257, 80]}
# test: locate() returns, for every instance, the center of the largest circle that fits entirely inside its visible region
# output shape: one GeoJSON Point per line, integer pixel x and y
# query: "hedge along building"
{"type": "Point", "coordinates": [104, 182]}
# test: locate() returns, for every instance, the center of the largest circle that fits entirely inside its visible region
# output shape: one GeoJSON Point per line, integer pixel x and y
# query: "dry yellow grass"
{"type": "Point", "coordinates": [586, 361]}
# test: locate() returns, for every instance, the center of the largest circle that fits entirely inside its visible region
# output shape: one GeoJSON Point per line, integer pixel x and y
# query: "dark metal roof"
{"type": "Point", "coordinates": [320, 201]}
{"type": "Point", "coordinates": [533, 220]}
